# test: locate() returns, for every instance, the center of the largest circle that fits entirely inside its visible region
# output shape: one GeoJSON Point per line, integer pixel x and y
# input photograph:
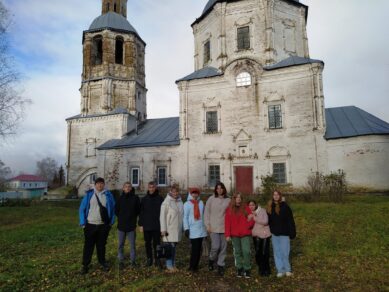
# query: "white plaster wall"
{"type": "Point", "coordinates": [364, 159]}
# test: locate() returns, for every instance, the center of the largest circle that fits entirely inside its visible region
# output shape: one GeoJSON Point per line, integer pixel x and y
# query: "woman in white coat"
{"type": "Point", "coordinates": [171, 218]}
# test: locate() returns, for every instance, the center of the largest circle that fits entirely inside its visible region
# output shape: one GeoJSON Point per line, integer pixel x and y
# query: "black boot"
{"type": "Point", "coordinates": [149, 262]}
{"type": "Point", "coordinates": [220, 271]}
{"type": "Point", "coordinates": [210, 265]}
{"type": "Point", "coordinates": [84, 270]}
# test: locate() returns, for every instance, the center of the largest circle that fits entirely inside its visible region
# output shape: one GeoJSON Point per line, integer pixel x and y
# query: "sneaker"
{"type": "Point", "coordinates": [210, 265]}
{"type": "Point", "coordinates": [84, 270]}
{"type": "Point", "coordinates": [279, 275]}
{"type": "Point", "coordinates": [220, 271]}
{"type": "Point", "coordinates": [288, 274]}
{"type": "Point", "coordinates": [247, 274]}
{"type": "Point", "coordinates": [240, 273]}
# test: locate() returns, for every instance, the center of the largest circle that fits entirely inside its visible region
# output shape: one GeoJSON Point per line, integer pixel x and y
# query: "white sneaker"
{"type": "Point", "coordinates": [288, 274]}
{"type": "Point", "coordinates": [279, 275]}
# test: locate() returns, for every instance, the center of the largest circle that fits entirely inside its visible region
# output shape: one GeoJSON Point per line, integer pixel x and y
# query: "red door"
{"type": "Point", "coordinates": [244, 179]}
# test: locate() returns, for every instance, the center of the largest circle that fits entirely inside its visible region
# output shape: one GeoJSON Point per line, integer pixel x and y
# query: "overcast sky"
{"type": "Point", "coordinates": [350, 36]}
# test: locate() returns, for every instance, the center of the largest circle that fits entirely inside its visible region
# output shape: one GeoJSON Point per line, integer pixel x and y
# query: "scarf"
{"type": "Point", "coordinates": [196, 209]}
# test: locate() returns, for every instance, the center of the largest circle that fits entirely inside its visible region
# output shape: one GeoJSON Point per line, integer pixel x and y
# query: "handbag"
{"type": "Point", "coordinates": [164, 250]}
{"type": "Point", "coordinates": [103, 211]}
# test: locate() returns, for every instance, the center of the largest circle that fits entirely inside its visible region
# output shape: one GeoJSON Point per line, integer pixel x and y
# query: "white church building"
{"type": "Point", "coordinates": [253, 106]}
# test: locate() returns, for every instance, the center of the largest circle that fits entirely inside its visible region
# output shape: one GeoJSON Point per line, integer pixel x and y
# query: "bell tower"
{"type": "Point", "coordinates": [118, 6]}
{"type": "Point", "coordinates": [113, 73]}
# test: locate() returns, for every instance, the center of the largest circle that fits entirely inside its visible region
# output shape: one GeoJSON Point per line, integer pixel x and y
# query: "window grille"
{"type": "Point", "coordinates": [212, 123]}
{"type": "Point", "coordinates": [243, 79]}
{"type": "Point", "coordinates": [243, 38]}
{"type": "Point", "coordinates": [213, 174]}
{"type": "Point", "coordinates": [279, 173]}
{"type": "Point", "coordinates": [275, 117]}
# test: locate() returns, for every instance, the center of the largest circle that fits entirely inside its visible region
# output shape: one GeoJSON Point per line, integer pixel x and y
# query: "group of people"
{"type": "Point", "coordinates": [221, 219]}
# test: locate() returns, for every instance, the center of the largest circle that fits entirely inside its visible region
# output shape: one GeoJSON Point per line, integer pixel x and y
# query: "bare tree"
{"type": "Point", "coordinates": [47, 169]}
{"type": "Point", "coordinates": [5, 173]}
{"type": "Point", "coordinates": [12, 104]}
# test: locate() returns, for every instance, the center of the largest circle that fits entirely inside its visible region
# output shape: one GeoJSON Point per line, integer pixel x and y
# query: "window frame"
{"type": "Point", "coordinates": [97, 51]}
{"type": "Point", "coordinates": [275, 124]}
{"type": "Point", "coordinates": [277, 175]}
{"type": "Point", "coordinates": [243, 38]}
{"type": "Point", "coordinates": [243, 79]}
{"type": "Point", "coordinates": [132, 169]}
{"type": "Point", "coordinates": [213, 176]}
{"type": "Point", "coordinates": [119, 50]}
{"type": "Point", "coordinates": [206, 52]}
{"type": "Point", "coordinates": [208, 129]}
{"type": "Point", "coordinates": [158, 176]}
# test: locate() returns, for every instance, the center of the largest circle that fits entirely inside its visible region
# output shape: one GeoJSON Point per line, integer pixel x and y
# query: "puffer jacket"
{"type": "Point", "coordinates": [196, 227]}
{"type": "Point", "coordinates": [261, 227]}
{"type": "Point", "coordinates": [85, 205]}
{"type": "Point", "coordinates": [215, 209]}
{"type": "Point", "coordinates": [171, 218]}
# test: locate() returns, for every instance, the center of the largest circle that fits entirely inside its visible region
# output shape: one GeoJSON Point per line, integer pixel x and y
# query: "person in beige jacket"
{"type": "Point", "coordinates": [215, 210]}
{"type": "Point", "coordinates": [171, 219]}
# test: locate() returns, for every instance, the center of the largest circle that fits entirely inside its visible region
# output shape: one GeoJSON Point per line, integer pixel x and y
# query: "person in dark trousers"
{"type": "Point", "coordinates": [96, 218]}
{"type": "Point", "coordinates": [283, 228]}
{"type": "Point", "coordinates": [150, 208]}
{"type": "Point", "coordinates": [127, 211]}
{"type": "Point", "coordinates": [194, 226]}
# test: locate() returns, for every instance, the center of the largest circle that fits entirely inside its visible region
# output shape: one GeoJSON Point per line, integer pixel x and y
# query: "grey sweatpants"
{"type": "Point", "coordinates": [218, 248]}
{"type": "Point", "coordinates": [122, 239]}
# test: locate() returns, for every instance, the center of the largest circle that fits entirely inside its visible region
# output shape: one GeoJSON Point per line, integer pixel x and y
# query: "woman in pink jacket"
{"type": "Point", "coordinates": [261, 237]}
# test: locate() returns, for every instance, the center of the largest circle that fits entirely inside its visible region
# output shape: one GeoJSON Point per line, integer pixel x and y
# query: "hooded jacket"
{"type": "Point", "coordinates": [196, 227]}
{"type": "Point", "coordinates": [237, 224]}
{"type": "Point", "coordinates": [127, 210]}
{"type": "Point", "coordinates": [282, 223]}
{"type": "Point", "coordinates": [150, 208]}
{"type": "Point", "coordinates": [171, 218]}
{"type": "Point", "coordinates": [85, 205]}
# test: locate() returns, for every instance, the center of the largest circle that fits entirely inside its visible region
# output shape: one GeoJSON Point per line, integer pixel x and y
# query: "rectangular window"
{"type": "Point", "coordinates": [243, 38]}
{"type": "Point", "coordinates": [134, 176]}
{"type": "Point", "coordinates": [211, 123]}
{"type": "Point", "coordinates": [207, 52]}
{"type": "Point", "coordinates": [279, 173]}
{"type": "Point", "coordinates": [213, 174]}
{"type": "Point", "coordinates": [161, 176]}
{"type": "Point", "coordinates": [275, 117]}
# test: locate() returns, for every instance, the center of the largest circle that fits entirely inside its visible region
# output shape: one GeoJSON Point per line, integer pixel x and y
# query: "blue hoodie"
{"type": "Point", "coordinates": [85, 204]}
{"type": "Point", "coordinates": [196, 227]}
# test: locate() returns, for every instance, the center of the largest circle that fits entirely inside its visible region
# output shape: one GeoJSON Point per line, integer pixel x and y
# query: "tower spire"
{"type": "Point", "coordinates": [118, 6]}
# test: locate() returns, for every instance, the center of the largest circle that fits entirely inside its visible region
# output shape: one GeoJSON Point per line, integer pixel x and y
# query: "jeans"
{"type": "Point", "coordinates": [131, 236]}
{"type": "Point", "coordinates": [242, 252]}
{"type": "Point", "coordinates": [218, 248]}
{"type": "Point", "coordinates": [171, 262]}
{"type": "Point", "coordinates": [281, 249]}
{"type": "Point", "coordinates": [95, 235]}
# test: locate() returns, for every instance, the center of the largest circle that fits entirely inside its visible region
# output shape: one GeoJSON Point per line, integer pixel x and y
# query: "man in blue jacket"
{"type": "Point", "coordinates": [97, 215]}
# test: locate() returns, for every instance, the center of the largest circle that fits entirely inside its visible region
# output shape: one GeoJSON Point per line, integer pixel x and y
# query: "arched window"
{"type": "Point", "coordinates": [97, 50]}
{"type": "Point", "coordinates": [119, 50]}
{"type": "Point", "coordinates": [243, 79]}
{"type": "Point", "coordinates": [114, 7]}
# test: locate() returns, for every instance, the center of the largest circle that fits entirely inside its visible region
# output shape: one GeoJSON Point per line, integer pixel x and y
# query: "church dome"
{"type": "Point", "coordinates": [112, 20]}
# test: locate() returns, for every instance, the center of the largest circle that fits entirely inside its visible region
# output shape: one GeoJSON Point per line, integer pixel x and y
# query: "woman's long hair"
{"type": "Point", "coordinates": [223, 188]}
{"type": "Point", "coordinates": [276, 204]}
{"type": "Point", "coordinates": [235, 209]}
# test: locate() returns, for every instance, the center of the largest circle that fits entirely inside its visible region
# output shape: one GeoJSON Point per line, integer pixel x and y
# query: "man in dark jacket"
{"type": "Point", "coordinates": [127, 210]}
{"type": "Point", "coordinates": [150, 209]}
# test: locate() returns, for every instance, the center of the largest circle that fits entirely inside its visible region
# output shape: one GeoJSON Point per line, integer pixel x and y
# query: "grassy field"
{"type": "Point", "coordinates": [339, 247]}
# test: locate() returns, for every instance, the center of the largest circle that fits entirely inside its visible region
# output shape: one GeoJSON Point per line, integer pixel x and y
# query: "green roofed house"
{"type": "Point", "coordinates": [253, 105]}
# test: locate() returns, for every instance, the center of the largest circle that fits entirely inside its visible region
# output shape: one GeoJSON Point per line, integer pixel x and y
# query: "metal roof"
{"type": "Point", "coordinates": [205, 72]}
{"type": "Point", "coordinates": [29, 178]}
{"type": "Point", "coordinates": [153, 132]}
{"type": "Point", "coordinates": [116, 111]}
{"type": "Point", "coordinates": [292, 61]}
{"type": "Point", "coordinates": [112, 20]}
{"type": "Point", "coordinates": [351, 121]}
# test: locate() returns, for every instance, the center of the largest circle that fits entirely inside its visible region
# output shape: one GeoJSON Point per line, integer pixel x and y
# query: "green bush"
{"type": "Point", "coordinates": [336, 185]}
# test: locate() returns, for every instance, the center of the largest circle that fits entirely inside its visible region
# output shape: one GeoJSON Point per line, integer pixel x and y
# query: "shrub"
{"type": "Point", "coordinates": [268, 186]}
{"type": "Point", "coordinates": [315, 184]}
{"type": "Point", "coordinates": [336, 185]}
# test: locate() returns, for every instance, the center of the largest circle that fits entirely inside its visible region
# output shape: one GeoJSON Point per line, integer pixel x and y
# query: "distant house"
{"type": "Point", "coordinates": [28, 186]}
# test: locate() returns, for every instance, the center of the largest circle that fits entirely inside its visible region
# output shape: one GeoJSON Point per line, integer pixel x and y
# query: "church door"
{"type": "Point", "coordinates": [244, 179]}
